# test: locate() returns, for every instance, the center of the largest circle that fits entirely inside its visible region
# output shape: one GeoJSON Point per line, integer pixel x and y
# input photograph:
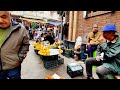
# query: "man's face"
{"type": "Point", "coordinates": [45, 34]}
{"type": "Point", "coordinates": [5, 19]}
{"type": "Point", "coordinates": [95, 28]}
{"type": "Point", "coordinates": [108, 35]}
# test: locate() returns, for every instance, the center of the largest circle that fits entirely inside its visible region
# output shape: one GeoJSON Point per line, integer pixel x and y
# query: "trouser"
{"type": "Point", "coordinates": [14, 73]}
{"type": "Point", "coordinates": [101, 70]}
{"type": "Point", "coordinates": [83, 48]}
{"type": "Point", "coordinates": [31, 37]}
{"type": "Point", "coordinates": [91, 49]}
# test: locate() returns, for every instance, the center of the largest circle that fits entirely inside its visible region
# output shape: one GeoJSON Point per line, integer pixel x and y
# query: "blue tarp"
{"type": "Point", "coordinates": [56, 23]}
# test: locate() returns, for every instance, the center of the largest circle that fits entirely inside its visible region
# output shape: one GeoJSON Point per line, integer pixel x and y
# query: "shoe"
{"type": "Point", "coordinates": [89, 78]}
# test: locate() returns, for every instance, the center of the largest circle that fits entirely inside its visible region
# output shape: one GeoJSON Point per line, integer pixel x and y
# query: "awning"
{"type": "Point", "coordinates": [32, 20]}
{"type": "Point", "coordinates": [56, 23]}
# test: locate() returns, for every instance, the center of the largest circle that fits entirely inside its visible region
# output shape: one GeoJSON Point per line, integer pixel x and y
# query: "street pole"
{"type": "Point", "coordinates": [62, 26]}
{"type": "Point", "coordinates": [62, 29]}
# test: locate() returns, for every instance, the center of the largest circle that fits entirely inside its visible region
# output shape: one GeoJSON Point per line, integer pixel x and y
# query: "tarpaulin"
{"type": "Point", "coordinates": [56, 23]}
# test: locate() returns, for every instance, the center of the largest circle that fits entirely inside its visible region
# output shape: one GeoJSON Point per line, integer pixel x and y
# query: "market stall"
{"type": "Point", "coordinates": [49, 54]}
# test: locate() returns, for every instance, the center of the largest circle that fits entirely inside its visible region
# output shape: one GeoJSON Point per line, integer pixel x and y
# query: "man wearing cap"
{"type": "Point", "coordinates": [109, 62]}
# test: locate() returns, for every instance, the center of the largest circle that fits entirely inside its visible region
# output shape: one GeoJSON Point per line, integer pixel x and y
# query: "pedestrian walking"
{"type": "Point", "coordinates": [14, 45]}
{"type": "Point", "coordinates": [31, 34]}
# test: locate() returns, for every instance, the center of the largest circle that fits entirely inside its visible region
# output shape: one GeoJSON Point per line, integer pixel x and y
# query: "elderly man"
{"type": "Point", "coordinates": [93, 40]}
{"type": "Point", "coordinates": [14, 45]}
{"type": "Point", "coordinates": [110, 63]}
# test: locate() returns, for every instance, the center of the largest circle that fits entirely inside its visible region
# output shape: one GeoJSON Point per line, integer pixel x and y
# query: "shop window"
{"type": "Point", "coordinates": [94, 13]}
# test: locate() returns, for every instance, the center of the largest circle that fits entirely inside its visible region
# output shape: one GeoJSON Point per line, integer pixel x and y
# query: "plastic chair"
{"type": "Point", "coordinates": [94, 55]}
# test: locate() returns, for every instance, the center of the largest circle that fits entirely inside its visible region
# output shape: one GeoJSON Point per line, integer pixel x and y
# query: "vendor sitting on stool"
{"type": "Point", "coordinates": [93, 40]}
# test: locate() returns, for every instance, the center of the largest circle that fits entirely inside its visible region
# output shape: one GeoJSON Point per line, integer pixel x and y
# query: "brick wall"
{"type": "Point", "coordinates": [85, 25]}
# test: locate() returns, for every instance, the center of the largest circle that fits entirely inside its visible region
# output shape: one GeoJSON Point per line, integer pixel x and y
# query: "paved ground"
{"type": "Point", "coordinates": [32, 67]}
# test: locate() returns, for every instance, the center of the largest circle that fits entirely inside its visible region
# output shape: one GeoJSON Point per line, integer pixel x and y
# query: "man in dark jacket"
{"type": "Point", "coordinates": [49, 38]}
{"type": "Point", "coordinates": [14, 45]}
{"type": "Point", "coordinates": [109, 62]}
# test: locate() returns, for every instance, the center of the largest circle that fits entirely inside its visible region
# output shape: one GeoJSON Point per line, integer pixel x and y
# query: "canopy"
{"type": "Point", "coordinates": [56, 23]}
{"type": "Point", "coordinates": [33, 20]}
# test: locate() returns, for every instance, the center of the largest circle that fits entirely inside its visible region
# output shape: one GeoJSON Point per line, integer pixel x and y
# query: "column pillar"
{"type": "Point", "coordinates": [71, 18]}
{"type": "Point", "coordinates": [75, 26]}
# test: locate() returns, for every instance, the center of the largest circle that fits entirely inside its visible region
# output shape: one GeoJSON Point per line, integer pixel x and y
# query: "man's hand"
{"type": "Point", "coordinates": [98, 58]}
{"type": "Point", "coordinates": [92, 39]}
{"type": "Point", "coordinates": [88, 44]}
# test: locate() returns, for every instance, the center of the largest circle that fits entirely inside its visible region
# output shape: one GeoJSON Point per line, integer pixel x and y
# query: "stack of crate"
{"type": "Point", "coordinates": [69, 53]}
{"type": "Point", "coordinates": [60, 60]}
{"type": "Point", "coordinates": [52, 61]}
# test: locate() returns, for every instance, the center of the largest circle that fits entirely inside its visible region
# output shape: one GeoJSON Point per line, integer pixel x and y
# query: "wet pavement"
{"type": "Point", "coordinates": [32, 67]}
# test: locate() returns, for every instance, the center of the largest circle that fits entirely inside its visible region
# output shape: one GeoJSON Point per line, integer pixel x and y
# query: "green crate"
{"type": "Point", "coordinates": [60, 61]}
{"type": "Point", "coordinates": [49, 58]}
{"type": "Point", "coordinates": [68, 53]}
{"type": "Point", "coordinates": [50, 63]}
{"type": "Point", "coordinates": [74, 70]}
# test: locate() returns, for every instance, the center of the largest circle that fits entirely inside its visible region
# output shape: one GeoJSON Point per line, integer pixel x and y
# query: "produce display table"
{"type": "Point", "coordinates": [53, 53]}
{"type": "Point", "coordinates": [49, 54]}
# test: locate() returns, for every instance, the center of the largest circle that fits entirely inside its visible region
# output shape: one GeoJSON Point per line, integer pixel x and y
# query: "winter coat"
{"type": "Point", "coordinates": [15, 47]}
{"type": "Point", "coordinates": [93, 39]}
{"type": "Point", "coordinates": [111, 58]}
